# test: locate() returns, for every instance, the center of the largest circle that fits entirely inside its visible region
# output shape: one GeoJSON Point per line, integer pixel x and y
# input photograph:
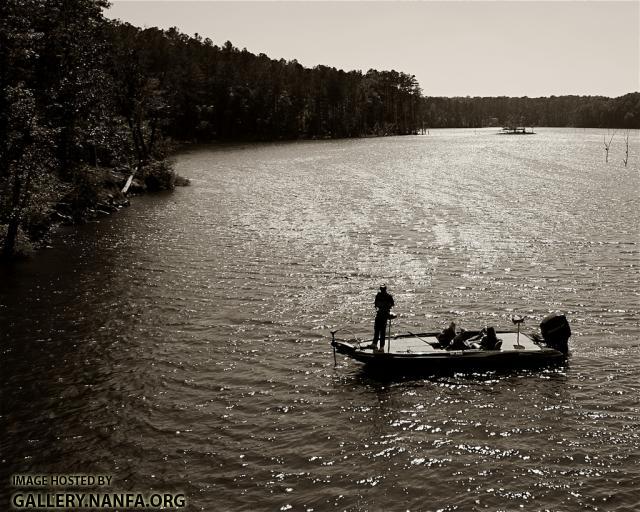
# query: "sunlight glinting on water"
{"type": "Point", "coordinates": [190, 331]}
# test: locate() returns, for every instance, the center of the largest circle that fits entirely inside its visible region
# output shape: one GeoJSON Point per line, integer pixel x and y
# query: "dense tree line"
{"type": "Point", "coordinates": [85, 102]}
{"type": "Point", "coordinates": [212, 92]}
{"type": "Point", "coordinates": [575, 111]}
{"type": "Point", "coordinates": [200, 91]}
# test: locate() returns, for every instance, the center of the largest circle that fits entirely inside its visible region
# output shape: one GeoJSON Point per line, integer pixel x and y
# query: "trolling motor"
{"type": "Point", "coordinates": [556, 331]}
{"type": "Point", "coordinates": [333, 344]}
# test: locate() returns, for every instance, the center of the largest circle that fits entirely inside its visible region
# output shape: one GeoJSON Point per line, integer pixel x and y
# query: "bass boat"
{"type": "Point", "coordinates": [467, 351]}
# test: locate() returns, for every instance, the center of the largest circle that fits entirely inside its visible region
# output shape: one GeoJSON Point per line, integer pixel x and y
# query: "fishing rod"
{"type": "Point", "coordinates": [422, 339]}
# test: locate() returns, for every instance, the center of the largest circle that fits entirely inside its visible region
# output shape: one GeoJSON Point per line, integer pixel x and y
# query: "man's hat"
{"type": "Point", "coordinates": [383, 286]}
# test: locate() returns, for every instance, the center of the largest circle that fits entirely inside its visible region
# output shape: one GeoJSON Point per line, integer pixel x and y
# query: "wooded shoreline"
{"type": "Point", "coordinates": [85, 101]}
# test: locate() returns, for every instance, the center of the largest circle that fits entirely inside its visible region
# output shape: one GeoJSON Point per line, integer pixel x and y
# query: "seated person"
{"type": "Point", "coordinates": [460, 342]}
{"type": "Point", "coordinates": [489, 339]}
{"type": "Point", "coordinates": [447, 335]}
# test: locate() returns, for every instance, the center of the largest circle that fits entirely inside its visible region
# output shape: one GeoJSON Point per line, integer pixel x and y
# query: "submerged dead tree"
{"type": "Point", "coordinates": [626, 150]}
{"type": "Point", "coordinates": [607, 146]}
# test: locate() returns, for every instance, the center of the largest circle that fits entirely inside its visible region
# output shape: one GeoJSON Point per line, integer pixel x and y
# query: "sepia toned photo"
{"type": "Point", "coordinates": [309, 256]}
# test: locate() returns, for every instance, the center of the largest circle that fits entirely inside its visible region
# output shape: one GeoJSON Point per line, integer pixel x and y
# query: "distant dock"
{"type": "Point", "coordinates": [516, 130]}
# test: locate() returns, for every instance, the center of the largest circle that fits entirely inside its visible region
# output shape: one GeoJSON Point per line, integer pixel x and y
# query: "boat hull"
{"type": "Point", "coordinates": [422, 353]}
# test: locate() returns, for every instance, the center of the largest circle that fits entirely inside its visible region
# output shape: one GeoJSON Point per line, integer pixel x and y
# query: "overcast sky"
{"type": "Point", "coordinates": [455, 48]}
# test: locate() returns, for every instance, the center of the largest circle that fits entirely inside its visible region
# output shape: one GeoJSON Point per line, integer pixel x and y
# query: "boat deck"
{"type": "Point", "coordinates": [416, 345]}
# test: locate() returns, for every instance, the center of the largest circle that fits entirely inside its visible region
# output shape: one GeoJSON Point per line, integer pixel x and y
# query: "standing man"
{"type": "Point", "coordinates": [383, 303]}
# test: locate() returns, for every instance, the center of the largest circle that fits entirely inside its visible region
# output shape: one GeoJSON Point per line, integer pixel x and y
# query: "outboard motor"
{"type": "Point", "coordinates": [556, 331]}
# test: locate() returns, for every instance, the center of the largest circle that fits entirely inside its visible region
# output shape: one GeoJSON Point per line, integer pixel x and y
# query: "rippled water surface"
{"type": "Point", "coordinates": [181, 344]}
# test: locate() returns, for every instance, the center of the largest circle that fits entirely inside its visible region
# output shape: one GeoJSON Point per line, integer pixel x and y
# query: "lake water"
{"type": "Point", "coordinates": [182, 344]}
